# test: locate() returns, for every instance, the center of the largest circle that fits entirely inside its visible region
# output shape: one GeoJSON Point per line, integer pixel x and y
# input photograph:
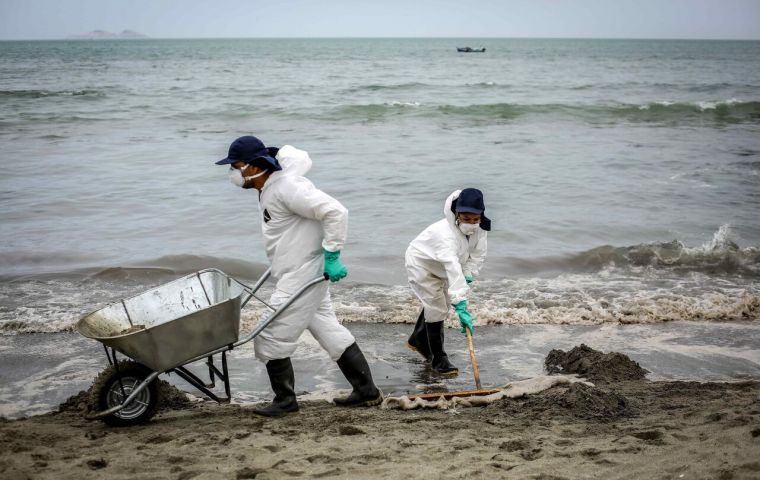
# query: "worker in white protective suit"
{"type": "Point", "coordinates": [304, 230]}
{"type": "Point", "coordinates": [440, 264]}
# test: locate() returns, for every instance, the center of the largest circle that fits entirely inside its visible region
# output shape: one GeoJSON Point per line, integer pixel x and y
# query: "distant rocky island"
{"type": "Point", "coordinates": [103, 35]}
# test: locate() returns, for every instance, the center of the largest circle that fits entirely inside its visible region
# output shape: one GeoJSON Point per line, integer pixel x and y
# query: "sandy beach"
{"type": "Point", "coordinates": [622, 427]}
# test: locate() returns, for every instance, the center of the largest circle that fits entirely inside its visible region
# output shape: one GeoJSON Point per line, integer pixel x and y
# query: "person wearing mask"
{"type": "Point", "coordinates": [440, 264]}
{"type": "Point", "coordinates": [304, 230]}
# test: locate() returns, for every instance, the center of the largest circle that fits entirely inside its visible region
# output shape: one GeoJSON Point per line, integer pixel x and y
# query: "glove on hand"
{"type": "Point", "coordinates": [333, 268]}
{"type": "Point", "coordinates": [465, 318]}
{"type": "Point", "coordinates": [468, 279]}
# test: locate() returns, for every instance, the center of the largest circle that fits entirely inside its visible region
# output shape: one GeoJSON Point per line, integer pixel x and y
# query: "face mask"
{"type": "Point", "coordinates": [468, 228]}
{"type": "Point", "coordinates": [237, 178]}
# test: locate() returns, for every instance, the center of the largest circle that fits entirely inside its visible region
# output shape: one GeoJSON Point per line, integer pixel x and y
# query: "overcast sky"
{"type": "Point", "coordinates": [714, 19]}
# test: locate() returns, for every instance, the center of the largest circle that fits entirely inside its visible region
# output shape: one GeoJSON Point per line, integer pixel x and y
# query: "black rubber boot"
{"type": "Point", "coordinates": [418, 340]}
{"type": "Point", "coordinates": [440, 361]}
{"type": "Point", "coordinates": [282, 379]}
{"type": "Point", "coordinates": [356, 370]}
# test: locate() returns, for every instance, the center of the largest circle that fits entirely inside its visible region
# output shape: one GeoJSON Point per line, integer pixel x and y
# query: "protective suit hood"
{"type": "Point", "coordinates": [448, 211]}
{"type": "Point", "coordinates": [293, 161]}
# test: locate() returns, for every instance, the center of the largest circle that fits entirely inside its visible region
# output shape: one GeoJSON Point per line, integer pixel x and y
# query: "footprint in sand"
{"type": "Point", "coordinates": [652, 437]}
{"type": "Point", "coordinates": [515, 445]}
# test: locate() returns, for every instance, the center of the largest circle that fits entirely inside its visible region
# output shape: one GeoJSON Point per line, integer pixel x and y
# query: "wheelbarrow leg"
{"type": "Point", "coordinates": [108, 355]}
{"type": "Point", "coordinates": [214, 372]}
{"type": "Point", "coordinates": [116, 366]}
{"type": "Point", "coordinates": [211, 368]}
{"type": "Point", "coordinates": [226, 375]}
{"type": "Point", "coordinates": [193, 380]}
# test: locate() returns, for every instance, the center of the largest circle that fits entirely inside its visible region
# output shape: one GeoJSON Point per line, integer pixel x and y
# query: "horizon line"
{"type": "Point", "coordinates": [72, 38]}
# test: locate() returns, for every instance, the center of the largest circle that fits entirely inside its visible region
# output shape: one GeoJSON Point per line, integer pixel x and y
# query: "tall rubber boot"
{"type": "Point", "coordinates": [418, 340]}
{"type": "Point", "coordinates": [282, 379]}
{"type": "Point", "coordinates": [440, 361]}
{"type": "Point", "coordinates": [356, 370]}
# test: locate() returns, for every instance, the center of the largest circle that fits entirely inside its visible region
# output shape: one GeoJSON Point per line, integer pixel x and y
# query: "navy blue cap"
{"type": "Point", "coordinates": [470, 200]}
{"type": "Point", "coordinates": [251, 150]}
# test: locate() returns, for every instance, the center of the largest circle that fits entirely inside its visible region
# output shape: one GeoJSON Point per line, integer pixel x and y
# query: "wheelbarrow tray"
{"type": "Point", "coordinates": [171, 324]}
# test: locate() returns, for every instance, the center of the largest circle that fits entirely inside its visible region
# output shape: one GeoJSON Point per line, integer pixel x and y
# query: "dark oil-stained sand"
{"type": "Point", "coordinates": [623, 427]}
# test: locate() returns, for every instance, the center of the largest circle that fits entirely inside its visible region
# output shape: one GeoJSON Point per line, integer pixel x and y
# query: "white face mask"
{"type": "Point", "coordinates": [468, 228]}
{"type": "Point", "coordinates": [237, 178]}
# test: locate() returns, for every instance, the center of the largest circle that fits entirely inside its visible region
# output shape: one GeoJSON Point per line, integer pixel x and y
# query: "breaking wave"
{"type": "Point", "coordinates": [50, 93]}
{"type": "Point", "coordinates": [148, 270]}
{"type": "Point", "coordinates": [610, 296]}
{"type": "Point", "coordinates": [727, 111]}
{"type": "Point", "coordinates": [720, 256]}
{"type": "Point", "coordinates": [645, 283]}
{"type": "Point", "coordinates": [398, 86]}
{"type": "Point", "coordinates": [607, 297]}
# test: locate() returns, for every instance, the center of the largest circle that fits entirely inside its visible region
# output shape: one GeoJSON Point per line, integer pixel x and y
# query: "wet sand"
{"type": "Point", "coordinates": [622, 427]}
{"type": "Point", "coordinates": [38, 372]}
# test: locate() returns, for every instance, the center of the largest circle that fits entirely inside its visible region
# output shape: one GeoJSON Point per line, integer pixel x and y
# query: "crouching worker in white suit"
{"type": "Point", "coordinates": [304, 230]}
{"type": "Point", "coordinates": [440, 264]}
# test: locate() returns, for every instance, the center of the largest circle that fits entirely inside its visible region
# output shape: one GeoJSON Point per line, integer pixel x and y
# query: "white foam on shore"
{"type": "Point", "coordinates": [571, 299]}
{"type": "Point", "coordinates": [609, 296]}
{"type": "Point", "coordinates": [644, 283]}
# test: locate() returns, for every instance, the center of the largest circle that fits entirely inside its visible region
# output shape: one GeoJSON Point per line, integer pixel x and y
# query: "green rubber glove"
{"type": "Point", "coordinates": [468, 279]}
{"type": "Point", "coordinates": [465, 318]}
{"type": "Point", "coordinates": [333, 268]}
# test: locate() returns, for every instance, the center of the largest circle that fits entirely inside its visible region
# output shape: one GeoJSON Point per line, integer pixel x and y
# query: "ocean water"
{"type": "Point", "coordinates": [622, 177]}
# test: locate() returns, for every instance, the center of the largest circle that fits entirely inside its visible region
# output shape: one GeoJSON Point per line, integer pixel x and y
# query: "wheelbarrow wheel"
{"type": "Point", "coordinates": [108, 392]}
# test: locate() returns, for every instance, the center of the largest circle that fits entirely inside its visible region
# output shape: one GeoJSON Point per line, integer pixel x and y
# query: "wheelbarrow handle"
{"type": "Point", "coordinates": [261, 326]}
{"type": "Point", "coordinates": [251, 291]}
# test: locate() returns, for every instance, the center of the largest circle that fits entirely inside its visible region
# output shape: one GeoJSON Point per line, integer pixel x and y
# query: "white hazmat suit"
{"type": "Point", "coordinates": [438, 260]}
{"type": "Point", "coordinates": [297, 222]}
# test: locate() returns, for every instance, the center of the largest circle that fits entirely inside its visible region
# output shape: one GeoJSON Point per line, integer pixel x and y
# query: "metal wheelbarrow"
{"type": "Point", "coordinates": [163, 330]}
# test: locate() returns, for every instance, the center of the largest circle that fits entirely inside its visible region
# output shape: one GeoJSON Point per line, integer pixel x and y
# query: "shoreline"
{"type": "Point", "coordinates": [40, 371]}
{"type": "Point", "coordinates": [620, 426]}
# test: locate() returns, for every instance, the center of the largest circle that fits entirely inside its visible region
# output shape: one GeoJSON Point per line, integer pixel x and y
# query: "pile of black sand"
{"type": "Point", "coordinates": [577, 401]}
{"type": "Point", "coordinates": [594, 365]}
{"type": "Point", "coordinates": [170, 396]}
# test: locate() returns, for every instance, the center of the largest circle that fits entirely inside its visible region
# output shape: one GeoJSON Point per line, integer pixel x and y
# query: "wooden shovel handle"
{"type": "Point", "coordinates": [472, 358]}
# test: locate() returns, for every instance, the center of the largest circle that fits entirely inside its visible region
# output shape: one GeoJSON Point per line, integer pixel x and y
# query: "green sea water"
{"type": "Point", "coordinates": [622, 176]}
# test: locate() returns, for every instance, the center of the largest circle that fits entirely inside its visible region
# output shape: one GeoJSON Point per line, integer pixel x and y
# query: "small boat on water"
{"type": "Point", "coordinates": [471, 50]}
